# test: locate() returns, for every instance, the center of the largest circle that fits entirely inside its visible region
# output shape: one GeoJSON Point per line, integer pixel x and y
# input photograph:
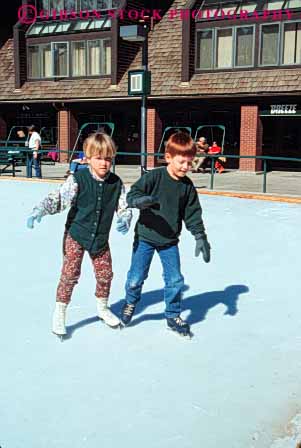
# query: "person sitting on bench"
{"type": "Point", "coordinates": [213, 150]}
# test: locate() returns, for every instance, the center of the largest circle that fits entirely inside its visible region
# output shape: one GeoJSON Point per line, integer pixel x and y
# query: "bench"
{"type": "Point", "coordinates": [9, 160]}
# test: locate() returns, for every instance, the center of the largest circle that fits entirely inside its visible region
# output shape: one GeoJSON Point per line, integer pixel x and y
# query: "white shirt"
{"type": "Point", "coordinates": [32, 141]}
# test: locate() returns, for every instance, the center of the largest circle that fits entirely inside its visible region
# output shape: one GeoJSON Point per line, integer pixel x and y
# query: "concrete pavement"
{"type": "Point", "coordinates": [280, 183]}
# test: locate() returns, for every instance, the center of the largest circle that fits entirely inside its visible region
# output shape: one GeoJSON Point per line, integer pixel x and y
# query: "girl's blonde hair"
{"type": "Point", "coordinates": [99, 144]}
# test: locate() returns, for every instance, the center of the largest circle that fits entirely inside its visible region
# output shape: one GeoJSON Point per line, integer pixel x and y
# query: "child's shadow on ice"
{"type": "Point", "coordinates": [82, 323]}
{"type": "Point", "coordinates": [198, 304]}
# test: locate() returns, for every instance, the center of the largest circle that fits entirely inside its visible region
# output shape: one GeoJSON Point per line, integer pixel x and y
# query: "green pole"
{"type": "Point", "coordinates": [212, 173]}
{"type": "Point", "coordinates": [264, 176]}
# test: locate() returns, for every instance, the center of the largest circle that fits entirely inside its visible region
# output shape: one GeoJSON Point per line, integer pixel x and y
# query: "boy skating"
{"type": "Point", "coordinates": [165, 197]}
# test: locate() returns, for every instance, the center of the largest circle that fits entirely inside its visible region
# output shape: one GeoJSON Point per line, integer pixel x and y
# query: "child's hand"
{"type": "Point", "coordinates": [203, 246]}
{"type": "Point", "coordinates": [31, 220]}
{"type": "Point", "coordinates": [122, 226]}
{"type": "Point", "coordinates": [145, 202]}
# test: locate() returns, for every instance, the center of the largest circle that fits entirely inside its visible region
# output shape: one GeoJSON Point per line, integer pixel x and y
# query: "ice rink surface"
{"type": "Point", "coordinates": [236, 384]}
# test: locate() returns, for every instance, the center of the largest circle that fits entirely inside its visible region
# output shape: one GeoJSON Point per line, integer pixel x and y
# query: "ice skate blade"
{"type": "Point", "coordinates": [62, 337]}
{"type": "Point", "coordinates": [123, 325]}
{"type": "Point", "coordinates": [115, 327]}
{"type": "Point", "coordinates": [182, 335]}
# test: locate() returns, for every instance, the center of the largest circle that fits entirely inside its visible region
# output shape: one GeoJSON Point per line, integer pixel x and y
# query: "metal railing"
{"type": "Point", "coordinates": [17, 153]}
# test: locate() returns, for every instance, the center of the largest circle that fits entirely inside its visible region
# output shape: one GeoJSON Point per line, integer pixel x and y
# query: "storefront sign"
{"type": "Point", "coordinates": [283, 109]}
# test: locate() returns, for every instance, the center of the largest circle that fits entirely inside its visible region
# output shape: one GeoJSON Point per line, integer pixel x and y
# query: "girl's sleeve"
{"type": "Point", "coordinates": [123, 211]}
{"type": "Point", "coordinates": [58, 200]}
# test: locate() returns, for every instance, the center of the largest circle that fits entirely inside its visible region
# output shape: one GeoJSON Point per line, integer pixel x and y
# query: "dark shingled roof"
{"type": "Point", "coordinates": [165, 47]}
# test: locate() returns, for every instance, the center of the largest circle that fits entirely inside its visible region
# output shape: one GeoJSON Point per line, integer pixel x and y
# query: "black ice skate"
{"type": "Point", "coordinates": [179, 326]}
{"type": "Point", "coordinates": [127, 313]}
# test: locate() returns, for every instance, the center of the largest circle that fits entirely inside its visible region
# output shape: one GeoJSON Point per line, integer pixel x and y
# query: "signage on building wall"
{"type": "Point", "coordinates": [279, 109]}
{"type": "Point", "coordinates": [283, 110]}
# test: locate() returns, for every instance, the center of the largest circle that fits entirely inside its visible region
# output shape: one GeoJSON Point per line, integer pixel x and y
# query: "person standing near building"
{"type": "Point", "coordinates": [33, 157]}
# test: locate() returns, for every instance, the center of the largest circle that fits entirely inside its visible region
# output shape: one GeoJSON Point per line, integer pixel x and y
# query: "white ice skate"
{"type": "Point", "coordinates": [59, 319]}
{"type": "Point", "coordinates": [105, 314]}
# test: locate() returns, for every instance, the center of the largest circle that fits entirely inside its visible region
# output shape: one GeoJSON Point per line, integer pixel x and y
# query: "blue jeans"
{"type": "Point", "coordinates": [174, 281]}
{"type": "Point", "coordinates": [31, 161]}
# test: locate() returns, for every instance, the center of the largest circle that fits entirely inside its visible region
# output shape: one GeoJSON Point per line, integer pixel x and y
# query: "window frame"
{"type": "Point", "coordinates": [56, 76]}
{"type": "Point", "coordinates": [261, 25]}
{"type": "Point", "coordinates": [29, 61]}
{"type": "Point", "coordinates": [296, 64]}
{"type": "Point", "coordinates": [253, 26]}
{"type": "Point", "coordinates": [215, 47]}
{"type": "Point", "coordinates": [78, 7]}
{"type": "Point", "coordinates": [40, 57]}
{"type": "Point", "coordinates": [71, 59]}
{"type": "Point", "coordinates": [43, 42]}
{"type": "Point", "coordinates": [233, 66]}
{"type": "Point", "coordinates": [202, 25]}
{"type": "Point", "coordinates": [212, 49]}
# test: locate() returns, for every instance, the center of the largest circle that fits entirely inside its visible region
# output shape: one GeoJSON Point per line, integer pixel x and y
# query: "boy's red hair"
{"type": "Point", "coordinates": [180, 143]}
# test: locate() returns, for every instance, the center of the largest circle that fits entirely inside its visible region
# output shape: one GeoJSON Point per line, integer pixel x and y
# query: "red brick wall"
{"type": "Point", "coordinates": [153, 137]}
{"type": "Point", "coordinates": [3, 129]}
{"type": "Point", "coordinates": [250, 138]}
{"type": "Point", "coordinates": [67, 129]}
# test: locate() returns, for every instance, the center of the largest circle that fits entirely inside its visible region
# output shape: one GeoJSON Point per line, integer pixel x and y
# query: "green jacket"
{"type": "Point", "coordinates": [89, 220]}
{"type": "Point", "coordinates": [178, 202]}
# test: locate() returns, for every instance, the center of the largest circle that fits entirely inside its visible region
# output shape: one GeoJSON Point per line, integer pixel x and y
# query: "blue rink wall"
{"type": "Point", "coordinates": [236, 384]}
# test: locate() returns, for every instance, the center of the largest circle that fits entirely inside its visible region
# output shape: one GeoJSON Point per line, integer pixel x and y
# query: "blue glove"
{"type": "Point", "coordinates": [203, 246]}
{"type": "Point", "coordinates": [122, 226]}
{"type": "Point", "coordinates": [31, 220]}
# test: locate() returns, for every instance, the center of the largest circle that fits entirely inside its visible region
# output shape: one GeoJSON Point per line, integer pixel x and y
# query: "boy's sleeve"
{"type": "Point", "coordinates": [58, 200]}
{"type": "Point", "coordinates": [142, 187]}
{"type": "Point", "coordinates": [123, 211]}
{"type": "Point", "coordinates": [193, 213]}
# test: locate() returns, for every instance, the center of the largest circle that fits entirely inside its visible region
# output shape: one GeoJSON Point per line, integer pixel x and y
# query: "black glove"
{"type": "Point", "coordinates": [203, 246]}
{"type": "Point", "coordinates": [145, 202]}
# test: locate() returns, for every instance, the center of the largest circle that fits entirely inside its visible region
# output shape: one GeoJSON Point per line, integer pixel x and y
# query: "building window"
{"type": "Point", "coordinates": [78, 57]}
{"type": "Point", "coordinates": [70, 5]}
{"type": "Point", "coordinates": [98, 4]}
{"type": "Point", "coordinates": [60, 59]}
{"type": "Point", "coordinates": [224, 48]}
{"type": "Point", "coordinates": [87, 58]}
{"type": "Point", "coordinates": [291, 43]}
{"type": "Point", "coordinates": [234, 47]}
{"type": "Point", "coordinates": [274, 4]}
{"type": "Point", "coordinates": [269, 47]}
{"type": "Point", "coordinates": [244, 46]}
{"type": "Point", "coordinates": [62, 27]}
{"type": "Point", "coordinates": [34, 62]}
{"type": "Point", "coordinates": [205, 49]}
{"type": "Point", "coordinates": [82, 25]}
{"type": "Point", "coordinates": [43, 28]}
{"type": "Point", "coordinates": [106, 57]}
{"type": "Point", "coordinates": [46, 63]}
{"type": "Point", "coordinates": [93, 57]}
{"type": "Point", "coordinates": [77, 5]}
{"type": "Point", "coordinates": [56, 4]}
{"type": "Point", "coordinates": [293, 4]}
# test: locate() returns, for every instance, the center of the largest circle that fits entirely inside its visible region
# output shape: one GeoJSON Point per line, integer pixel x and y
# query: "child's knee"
{"type": "Point", "coordinates": [134, 283]}
{"type": "Point", "coordinates": [175, 282]}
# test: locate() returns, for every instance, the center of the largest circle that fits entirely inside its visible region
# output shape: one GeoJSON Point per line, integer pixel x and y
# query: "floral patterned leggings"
{"type": "Point", "coordinates": [73, 257]}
